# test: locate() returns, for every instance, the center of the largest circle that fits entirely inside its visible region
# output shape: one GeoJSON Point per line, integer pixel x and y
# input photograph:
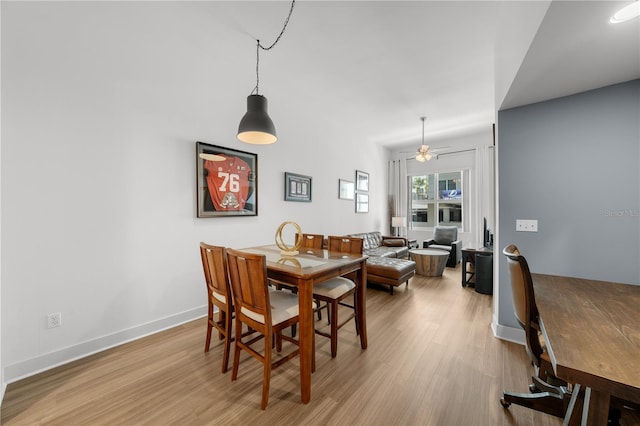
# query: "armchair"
{"type": "Point", "coordinates": [446, 238]}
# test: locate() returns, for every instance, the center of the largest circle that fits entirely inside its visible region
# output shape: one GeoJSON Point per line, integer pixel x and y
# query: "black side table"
{"type": "Point", "coordinates": [469, 257]}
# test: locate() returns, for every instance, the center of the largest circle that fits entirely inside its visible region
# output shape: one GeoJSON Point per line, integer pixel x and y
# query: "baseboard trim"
{"type": "Point", "coordinates": [30, 367]}
{"type": "Point", "coordinates": [515, 335]}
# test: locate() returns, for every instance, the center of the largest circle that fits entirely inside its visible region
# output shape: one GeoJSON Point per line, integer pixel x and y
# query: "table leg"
{"type": "Point", "coordinates": [305, 300]}
{"type": "Point", "coordinates": [598, 403]}
{"type": "Point", "coordinates": [361, 303]}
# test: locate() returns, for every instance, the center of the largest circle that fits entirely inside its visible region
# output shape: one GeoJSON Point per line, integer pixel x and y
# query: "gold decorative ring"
{"type": "Point", "coordinates": [284, 248]}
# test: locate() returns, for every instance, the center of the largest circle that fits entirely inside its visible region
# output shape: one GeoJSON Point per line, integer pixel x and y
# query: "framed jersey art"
{"type": "Point", "coordinates": [227, 181]}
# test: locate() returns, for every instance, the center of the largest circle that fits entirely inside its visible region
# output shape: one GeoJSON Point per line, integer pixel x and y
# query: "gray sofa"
{"type": "Point", "coordinates": [375, 244]}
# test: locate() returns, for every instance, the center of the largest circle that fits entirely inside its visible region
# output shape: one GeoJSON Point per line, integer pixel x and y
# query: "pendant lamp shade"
{"type": "Point", "coordinates": [256, 126]}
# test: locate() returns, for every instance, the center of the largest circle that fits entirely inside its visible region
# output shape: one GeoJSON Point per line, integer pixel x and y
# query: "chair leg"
{"type": "Point", "coordinates": [236, 351]}
{"type": "Point", "coordinates": [207, 341]}
{"type": "Point", "coordinates": [543, 401]}
{"type": "Point", "coordinates": [266, 377]}
{"type": "Point", "coordinates": [355, 311]}
{"type": "Point", "coordinates": [333, 317]}
{"type": "Point", "coordinates": [313, 353]}
{"type": "Point", "coordinates": [227, 342]}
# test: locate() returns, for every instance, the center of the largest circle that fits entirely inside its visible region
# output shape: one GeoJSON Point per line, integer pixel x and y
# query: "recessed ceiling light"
{"type": "Point", "coordinates": [628, 12]}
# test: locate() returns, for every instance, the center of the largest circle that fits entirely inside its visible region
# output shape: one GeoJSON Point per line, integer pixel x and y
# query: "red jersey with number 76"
{"type": "Point", "coordinates": [228, 183]}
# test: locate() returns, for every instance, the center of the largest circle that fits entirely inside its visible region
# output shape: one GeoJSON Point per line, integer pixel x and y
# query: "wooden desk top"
{"type": "Point", "coordinates": [593, 332]}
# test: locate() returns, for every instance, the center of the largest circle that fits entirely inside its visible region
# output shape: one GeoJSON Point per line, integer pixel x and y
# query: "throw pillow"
{"type": "Point", "coordinates": [395, 242]}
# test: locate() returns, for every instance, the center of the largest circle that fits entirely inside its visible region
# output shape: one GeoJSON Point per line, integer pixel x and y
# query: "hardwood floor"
{"type": "Point", "coordinates": [431, 360]}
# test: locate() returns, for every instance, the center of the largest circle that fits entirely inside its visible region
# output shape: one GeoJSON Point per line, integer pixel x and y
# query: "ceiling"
{"type": "Point", "coordinates": [378, 66]}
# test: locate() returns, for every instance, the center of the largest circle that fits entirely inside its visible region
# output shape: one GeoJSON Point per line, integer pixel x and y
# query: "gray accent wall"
{"type": "Point", "coordinates": [572, 163]}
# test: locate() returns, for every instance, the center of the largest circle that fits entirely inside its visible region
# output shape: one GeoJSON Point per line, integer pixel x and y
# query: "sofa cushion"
{"type": "Point", "coordinates": [445, 235]}
{"type": "Point", "coordinates": [439, 247]}
{"type": "Point", "coordinates": [380, 252]}
{"type": "Point", "coordinates": [393, 242]}
{"type": "Point", "coordinates": [389, 268]}
{"type": "Point", "coordinates": [371, 240]}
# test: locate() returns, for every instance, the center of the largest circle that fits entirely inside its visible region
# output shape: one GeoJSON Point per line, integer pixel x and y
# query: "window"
{"type": "Point", "coordinates": [437, 192]}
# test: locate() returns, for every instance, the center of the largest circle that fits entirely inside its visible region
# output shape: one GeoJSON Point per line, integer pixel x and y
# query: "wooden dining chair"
{"type": "Point", "coordinates": [265, 310]}
{"type": "Point", "coordinates": [214, 264]}
{"type": "Point", "coordinates": [311, 241]}
{"type": "Point", "coordinates": [335, 290]}
{"type": "Point", "coordinates": [548, 394]}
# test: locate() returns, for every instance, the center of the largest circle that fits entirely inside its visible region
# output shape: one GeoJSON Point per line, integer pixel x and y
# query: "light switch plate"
{"type": "Point", "coordinates": [525, 225]}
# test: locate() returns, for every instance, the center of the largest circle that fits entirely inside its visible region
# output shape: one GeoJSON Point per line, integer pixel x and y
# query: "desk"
{"type": "Point", "coordinates": [303, 270]}
{"type": "Point", "coordinates": [592, 331]}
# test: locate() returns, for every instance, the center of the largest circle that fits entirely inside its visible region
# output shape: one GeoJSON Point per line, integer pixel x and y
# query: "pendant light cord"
{"type": "Point", "coordinates": [256, 90]}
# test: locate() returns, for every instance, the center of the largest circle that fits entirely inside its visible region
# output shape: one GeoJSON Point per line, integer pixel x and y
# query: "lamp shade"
{"type": "Point", "coordinates": [398, 221]}
{"type": "Point", "coordinates": [256, 126]}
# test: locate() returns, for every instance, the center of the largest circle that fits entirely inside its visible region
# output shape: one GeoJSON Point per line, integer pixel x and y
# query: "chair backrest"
{"type": "Point", "coordinates": [312, 241]}
{"type": "Point", "coordinates": [214, 264]}
{"type": "Point", "coordinates": [524, 303]}
{"type": "Point", "coordinates": [350, 245]}
{"type": "Point", "coordinates": [248, 276]}
{"type": "Point", "coordinates": [445, 235]}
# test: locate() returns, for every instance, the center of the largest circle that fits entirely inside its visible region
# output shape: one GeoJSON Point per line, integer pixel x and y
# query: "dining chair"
{"type": "Point", "coordinates": [333, 291]}
{"type": "Point", "coordinates": [214, 264]}
{"type": "Point", "coordinates": [265, 310]}
{"type": "Point", "coordinates": [548, 394]}
{"type": "Point", "coordinates": [311, 241]}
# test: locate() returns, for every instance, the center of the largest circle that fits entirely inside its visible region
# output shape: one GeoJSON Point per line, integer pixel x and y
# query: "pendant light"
{"type": "Point", "coordinates": [423, 154]}
{"type": "Point", "coordinates": [256, 126]}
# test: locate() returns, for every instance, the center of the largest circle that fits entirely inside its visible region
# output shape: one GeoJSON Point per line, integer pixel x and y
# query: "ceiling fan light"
{"type": "Point", "coordinates": [626, 13]}
{"type": "Point", "coordinates": [421, 158]}
{"type": "Point", "coordinates": [256, 126]}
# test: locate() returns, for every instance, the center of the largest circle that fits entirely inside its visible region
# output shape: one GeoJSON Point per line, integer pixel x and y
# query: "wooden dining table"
{"type": "Point", "coordinates": [592, 333]}
{"type": "Point", "coordinates": [304, 270]}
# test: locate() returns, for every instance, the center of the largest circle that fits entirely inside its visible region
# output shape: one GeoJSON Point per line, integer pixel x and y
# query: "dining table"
{"type": "Point", "coordinates": [303, 270]}
{"type": "Point", "coordinates": [592, 334]}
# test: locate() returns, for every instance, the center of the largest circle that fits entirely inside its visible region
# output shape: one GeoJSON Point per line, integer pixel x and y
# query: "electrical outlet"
{"type": "Point", "coordinates": [54, 320]}
{"type": "Point", "coordinates": [526, 225]}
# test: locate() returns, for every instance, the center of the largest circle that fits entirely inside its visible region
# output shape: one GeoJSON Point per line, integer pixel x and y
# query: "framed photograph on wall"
{"type": "Point", "coordinates": [346, 189]}
{"type": "Point", "coordinates": [297, 187]}
{"type": "Point", "coordinates": [362, 203]}
{"type": "Point", "coordinates": [227, 181]}
{"type": "Point", "coordinates": [362, 181]}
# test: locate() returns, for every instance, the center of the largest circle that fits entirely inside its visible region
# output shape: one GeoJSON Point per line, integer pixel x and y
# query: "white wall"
{"type": "Point", "coordinates": [102, 106]}
{"type": "Point", "coordinates": [475, 151]}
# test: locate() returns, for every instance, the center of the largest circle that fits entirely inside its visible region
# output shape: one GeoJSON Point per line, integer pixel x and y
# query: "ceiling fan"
{"type": "Point", "coordinates": [424, 153]}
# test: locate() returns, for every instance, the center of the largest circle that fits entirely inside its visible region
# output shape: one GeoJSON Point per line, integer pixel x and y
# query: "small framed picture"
{"type": "Point", "coordinates": [297, 187]}
{"type": "Point", "coordinates": [346, 189]}
{"type": "Point", "coordinates": [362, 203]}
{"type": "Point", "coordinates": [227, 181]}
{"type": "Point", "coordinates": [362, 181]}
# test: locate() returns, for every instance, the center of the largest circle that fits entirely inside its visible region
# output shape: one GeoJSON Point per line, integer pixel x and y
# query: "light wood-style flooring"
{"type": "Point", "coordinates": [432, 360]}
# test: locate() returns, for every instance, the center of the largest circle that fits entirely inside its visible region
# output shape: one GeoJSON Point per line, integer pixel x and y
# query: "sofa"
{"type": "Point", "coordinates": [387, 263]}
{"type": "Point", "coordinates": [375, 244]}
{"type": "Point", "coordinates": [446, 238]}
